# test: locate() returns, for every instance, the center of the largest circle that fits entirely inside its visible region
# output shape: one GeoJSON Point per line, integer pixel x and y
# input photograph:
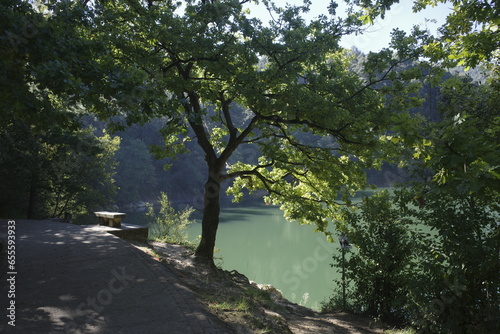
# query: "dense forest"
{"type": "Point", "coordinates": [105, 104]}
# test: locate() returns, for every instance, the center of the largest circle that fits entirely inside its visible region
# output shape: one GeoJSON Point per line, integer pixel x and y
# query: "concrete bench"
{"type": "Point", "coordinates": [112, 219]}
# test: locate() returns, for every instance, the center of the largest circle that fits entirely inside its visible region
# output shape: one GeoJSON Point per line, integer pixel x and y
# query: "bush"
{"type": "Point", "coordinates": [460, 266]}
{"type": "Point", "coordinates": [379, 268]}
{"type": "Point", "coordinates": [430, 260]}
{"type": "Point", "coordinates": [168, 225]}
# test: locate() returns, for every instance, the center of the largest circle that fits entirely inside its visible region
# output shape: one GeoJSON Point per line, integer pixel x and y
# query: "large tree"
{"type": "Point", "coordinates": [48, 164]}
{"type": "Point", "coordinates": [282, 90]}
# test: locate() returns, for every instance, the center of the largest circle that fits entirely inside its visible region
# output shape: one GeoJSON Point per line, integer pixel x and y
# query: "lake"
{"type": "Point", "coordinates": [258, 242]}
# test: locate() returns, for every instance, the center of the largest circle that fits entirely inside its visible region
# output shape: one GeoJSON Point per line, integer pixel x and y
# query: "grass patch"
{"type": "Point", "coordinates": [240, 304]}
{"type": "Point", "coordinates": [401, 331]}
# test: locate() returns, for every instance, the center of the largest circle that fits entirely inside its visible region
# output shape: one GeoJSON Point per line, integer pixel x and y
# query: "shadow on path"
{"type": "Point", "coordinates": [75, 279]}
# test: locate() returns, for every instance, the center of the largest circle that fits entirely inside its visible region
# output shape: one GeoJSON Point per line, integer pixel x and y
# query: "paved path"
{"type": "Point", "coordinates": [73, 279]}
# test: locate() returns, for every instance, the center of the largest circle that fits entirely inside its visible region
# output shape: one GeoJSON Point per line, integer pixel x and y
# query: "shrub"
{"type": "Point", "coordinates": [461, 266]}
{"type": "Point", "coordinates": [168, 225]}
{"type": "Point", "coordinates": [430, 260]}
{"type": "Point", "coordinates": [379, 268]}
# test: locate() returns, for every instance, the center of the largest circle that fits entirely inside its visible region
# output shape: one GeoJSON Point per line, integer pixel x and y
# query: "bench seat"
{"type": "Point", "coordinates": [112, 219]}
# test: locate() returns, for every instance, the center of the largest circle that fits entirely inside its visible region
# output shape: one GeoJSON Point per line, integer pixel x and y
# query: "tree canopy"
{"type": "Point", "coordinates": [232, 82]}
{"type": "Point", "coordinates": [284, 89]}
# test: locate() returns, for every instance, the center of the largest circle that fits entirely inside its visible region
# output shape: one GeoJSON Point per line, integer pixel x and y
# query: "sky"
{"type": "Point", "coordinates": [378, 36]}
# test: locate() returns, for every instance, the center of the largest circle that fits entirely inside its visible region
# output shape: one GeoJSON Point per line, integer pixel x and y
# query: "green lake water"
{"type": "Point", "coordinates": [259, 243]}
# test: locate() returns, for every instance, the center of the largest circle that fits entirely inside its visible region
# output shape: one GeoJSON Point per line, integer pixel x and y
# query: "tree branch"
{"type": "Point", "coordinates": [227, 116]}
{"type": "Point", "coordinates": [194, 109]}
{"type": "Point", "coordinates": [248, 172]}
{"type": "Point", "coordinates": [337, 133]}
{"type": "Point", "coordinates": [234, 142]}
{"type": "Point", "coordinates": [374, 82]}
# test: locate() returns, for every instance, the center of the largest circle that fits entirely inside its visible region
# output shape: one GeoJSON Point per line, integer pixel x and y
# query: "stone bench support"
{"type": "Point", "coordinates": [112, 219]}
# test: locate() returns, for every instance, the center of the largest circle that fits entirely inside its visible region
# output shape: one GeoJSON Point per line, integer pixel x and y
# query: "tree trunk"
{"type": "Point", "coordinates": [56, 207]}
{"type": "Point", "coordinates": [33, 196]}
{"type": "Point", "coordinates": [210, 222]}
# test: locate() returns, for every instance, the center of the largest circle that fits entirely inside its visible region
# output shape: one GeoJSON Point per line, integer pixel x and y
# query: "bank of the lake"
{"type": "Point", "coordinates": [259, 243]}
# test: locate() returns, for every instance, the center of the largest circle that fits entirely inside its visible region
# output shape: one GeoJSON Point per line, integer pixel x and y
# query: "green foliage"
{"type": "Point", "coordinates": [380, 267]}
{"type": "Point", "coordinates": [459, 199]}
{"type": "Point", "coordinates": [231, 82]}
{"type": "Point", "coordinates": [432, 262]}
{"type": "Point", "coordinates": [62, 170]}
{"type": "Point", "coordinates": [49, 164]}
{"type": "Point", "coordinates": [241, 304]}
{"type": "Point", "coordinates": [168, 225]}
{"type": "Point", "coordinates": [86, 175]}
{"type": "Point", "coordinates": [469, 36]}
{"type": "Point", "coordinates": [462, 151]}
{"type": "Point", "coordinates": [444, 224]}
{"type": "Point", "coordinates": [459, 265]}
